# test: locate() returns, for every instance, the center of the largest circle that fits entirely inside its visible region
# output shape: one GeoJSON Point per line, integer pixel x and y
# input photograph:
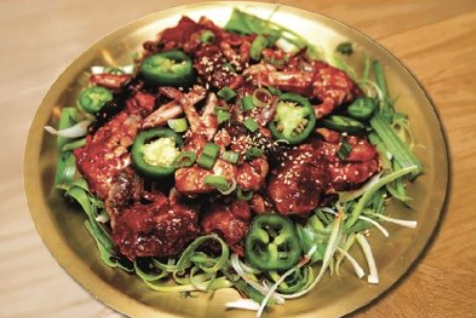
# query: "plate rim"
{"type": "Point", "coordinates": [32, 150]}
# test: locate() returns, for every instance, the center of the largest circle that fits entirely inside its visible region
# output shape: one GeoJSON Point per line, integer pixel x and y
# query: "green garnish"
{"type": "Point", "coordinates": [207, 37]}
{"type": "Point", "coordinates": [345, 48]}
{"type": "Point", "coordinates": [226, 93]}
{"type": "Point", "coordinates": [247, 103]}
{"type": "Point", "coordinates": [185, 159]}
{"type": "Point", "coordinates": [208, 156]}
{"type": "Point", "coordinates": [259, 43]}
{"type": "Point", "coordinates": [344, 150]}
{"type": "Point", "coordinates": [178, 125]}
{"type": "Point", "coordinates": [231, 156]}
{"type": "Point", "coordinates": [251, 124]}
{"type": "Point", "coordinates": [219, 182]}
{"type": "Point", "coordinates": [253, 152]}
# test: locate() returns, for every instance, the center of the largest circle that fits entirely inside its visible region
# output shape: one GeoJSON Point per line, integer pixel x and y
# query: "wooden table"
{"type": "Point", "coordinates": [435, 39]}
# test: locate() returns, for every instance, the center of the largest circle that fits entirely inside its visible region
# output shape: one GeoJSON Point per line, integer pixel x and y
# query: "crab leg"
{"type": "Point", "coordinates": [208, 118]}
{"type": "Point", "coordinates": [172, 109]}
{"type": "Point", "coordinates": [191, 113]}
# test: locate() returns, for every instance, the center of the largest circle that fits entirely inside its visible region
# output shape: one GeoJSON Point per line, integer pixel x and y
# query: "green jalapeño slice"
{"type": "Point", "coordinates": [92, 99]}
{"type": "Point", "coordinates": [271, 243]}
{"type": "Point", "coordinates": [173, 68]}
{"type": "Point", "coordinates": [154, 152]}
{"type": "Point", "coordinates": [294, 119]}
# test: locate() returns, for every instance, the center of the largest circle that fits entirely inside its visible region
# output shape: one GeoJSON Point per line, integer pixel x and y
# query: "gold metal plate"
{"type": "Point", "coordinates": [63, 232]}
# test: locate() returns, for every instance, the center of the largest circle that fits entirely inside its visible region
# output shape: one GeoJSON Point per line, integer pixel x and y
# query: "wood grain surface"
{"type": "Point", "coordinates": [435, 39]}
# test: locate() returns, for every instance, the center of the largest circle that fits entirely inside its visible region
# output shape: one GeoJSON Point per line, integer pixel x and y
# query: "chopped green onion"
{"type": "Point", "coordinates": [364, 244]}
{"type": "Point", "coordinates": [184, 159]}
{"type": "Point", "coordinates": [344, 150]}
{"type": "Point", "coordinates": [219, 182]}
{"type": "Point", "coordinates": [244, 23]}
{"type": "Point", "coordinates": [259, 43]}
{"type": "Point", "coordinates": [380, 77]}
{"type": "Point", "coordinates": [65, 170]}
{"type": "Point", "coordinates": [78, 130]}
{"type": "Point", "coordinates": [75, 144]}
{"type": "Point", "coordinates": [345, 48]}
{"type": "Point", "coordinates": [261, 97]}
{"type": "Point", "coordinates": [217, 109]}
{"type": "Point", "coordinates": [274, 91]}
{"type": "Point", "coordinates": [230, 189]}
{"type": "Point", "coordinates": [402, 153]}
{"type": "Point", "coordinates": [397, 189]}
{"type": "Point", "coordinates": [382, 150]}
{"type": "Point", "coordinates": [207, 37]}
{"type": "Point", "coordinates": [231, 156]}
{"type": "Point", "coordinates": [113, 70]}
{"type": "Point", "coordinates": [85, 200]}
{"type": "Point", "coordinates": [229, 67]}
{"type": "Point", "coordinates": [211, 150]}
{"type": "Point", "coordinates": [349, 242]}
{"type": "Point", "coordinates": [379, 74]}
{"type": "Point", "coordinates": [218, 283]}
{"type": "Point", "coordinates": [208, 156]}
{"type": "Point", "coordinates": [253, 152]}
{"type": "Point", "coordinates": [223, 116]}
{"type": "Point", "coordinates": [244, 195]}
{"type": "Point", "coordinates": [406, 223]}
{"type": "Point", "coordinates": [205, 161]}
{"type": "Point", "coordinates": [247, 103]}
{"type": "Point", "coordinates": [67, 119]}
{"type": "Point", "coordinates": [359, 207]}
{"type": "Point", "coordinates": [251, 124]}
{"type": "Point", "coordinates": [146, 276]}
{"type": "Point", "coordinates": [226, 93]}
{"type": "Point", "coordinates": [366, 73]}
{"type": "Point", "coordinates": [178, 125]}
{"type": "Point", "coordinates": [346, 196]}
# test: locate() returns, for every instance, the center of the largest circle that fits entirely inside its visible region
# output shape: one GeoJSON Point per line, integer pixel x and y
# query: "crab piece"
{"type": "Point", "coordinates": [196, 124]}
{"type": "Point", "coordinates": [259, 68]}
{"type": "Point", "coordinates": [346, 176]}
{"type": "Point", "coordinates": [291, 81]}
{"type": "Point", "coordinates": [191, 181]}
{"type": "Point", "coordinates": [222, 139]}
{"type": "Point", "coordinates": [261, 203]}
{"type": "Point", "coordinates": [230, 221]}
{"type": "Point", "coordinates": [112, 81]}
{"type": "Point", "coordinates": [141, 104]}
{"type": "Point", "coordinates": [230, 54]}
{"type": "Point", "coordinates": [160, 228]}
{"type": "Point", "coordinates": [333, 87]}
{"type": "Point", "coordinates": [252, 175]}
{"type": "Point", "coordinates": [181, 36]}
{"type": "Point", "coordinates": [295, 187]}
{"type": "Point", "coordinates": [172, 109]}
{"type": "Point", "coordinates": [208, 117]}
{"type": "Point", "coordinates": [278, 58]}
{"type": "Point", "coordinates": [105, 153]}
{"type": "Point", "coordinates": [213, 69]}
{"type": "Point", "coordinates": [245, 52]}
{"type": "Point", "coordinates": [330, 85]}
{"type": "Point", "coordinates": [328, 135]}
{"type": "Point", "coordinates": [360, 165]}
{"type": "Point", "coordinates": [127, 187]}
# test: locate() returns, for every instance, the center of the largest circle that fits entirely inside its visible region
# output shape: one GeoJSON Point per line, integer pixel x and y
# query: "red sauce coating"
{"type": "Point", "coordinates": [230, 221]}
{"type": "Point", "coordinates": [160, 228]}
{"type": "Point", "coordinates": [294, 183]}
